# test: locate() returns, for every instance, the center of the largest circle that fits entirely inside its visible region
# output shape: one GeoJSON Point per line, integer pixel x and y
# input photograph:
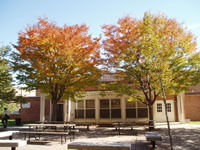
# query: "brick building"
{"type": "Point", "coordinates": [111, 107]}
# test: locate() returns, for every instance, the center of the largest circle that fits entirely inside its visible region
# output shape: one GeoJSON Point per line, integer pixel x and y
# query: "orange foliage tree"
{"type": "Point", "coordinates": [60, 61]}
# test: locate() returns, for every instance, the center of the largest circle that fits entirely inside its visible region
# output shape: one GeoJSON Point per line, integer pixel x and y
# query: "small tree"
{"type": "Point", "coordinates": [7, 91]}
{"type": "Point", "coordinates": [60, 61]}
{"type": "Point", "coordinates": [155, 55]}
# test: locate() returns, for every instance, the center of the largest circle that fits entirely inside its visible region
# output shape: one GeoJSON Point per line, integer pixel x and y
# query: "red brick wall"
{"type": "Point", "coordinates": [192, 107]}
{"type": "Point", "coordinates": [38, 93]}
{"type": "Point", "coordinates": [32, 113]}
{"type": "Point", "coordinates": [195, 88]}
{"type": "Point", "coordinates": [168, 97]}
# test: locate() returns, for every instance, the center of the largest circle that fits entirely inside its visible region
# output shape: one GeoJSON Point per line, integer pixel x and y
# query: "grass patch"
{"type": "Point", "coordinates": [10, 122]}
{"type": "Point", "coordinates": [194, 122]}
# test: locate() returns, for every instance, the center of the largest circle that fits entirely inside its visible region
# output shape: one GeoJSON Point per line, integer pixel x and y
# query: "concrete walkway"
{"type": "Point", "coordinates": [185, 137]}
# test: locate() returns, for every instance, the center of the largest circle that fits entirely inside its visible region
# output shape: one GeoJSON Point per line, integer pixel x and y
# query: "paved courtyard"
{"type": "Point", "coordinates": [185, 137]}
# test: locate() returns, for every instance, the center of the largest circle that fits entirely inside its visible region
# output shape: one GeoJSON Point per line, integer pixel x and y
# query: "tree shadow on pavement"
{"type": "Point", "coordinates": [183, 139]}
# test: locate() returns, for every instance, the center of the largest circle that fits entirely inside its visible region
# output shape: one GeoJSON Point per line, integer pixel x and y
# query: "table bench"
{"type": "Point", "coordinates": [8, 134]}
{"type": "Point", "coordinates": [153, 136]}
{"type": "Point", "coordinates": [84, 124]}
{"type": "Point", "coordinates": [35, 133]}
{"type": "Point", "coordinates": [12, 143]}
{"type": "Point", "coordinates": [43, 127]}
{"type": "Point", "coordinates": [119, 125]}
{"type": "Point", "coordinates": [93, 146]}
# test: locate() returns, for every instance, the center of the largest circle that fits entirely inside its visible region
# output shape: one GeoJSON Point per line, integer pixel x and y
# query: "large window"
{"type": "Point", "coordinates": [130, 109]}
{"type": "Point", "coordinates": [85, 109]}
{"type": "Point", "coordinates": [115, 108]}
{"type": "Point", "coordinates": [104, 108]}
{"type": "Point", "coordinates": [90, 109]}
{"type": "Point", "coordinates": [142, 110]}
{"type": "Point", "coordinates": [110, 108]}
{"type": "Point", "coordinates": [136, 110]}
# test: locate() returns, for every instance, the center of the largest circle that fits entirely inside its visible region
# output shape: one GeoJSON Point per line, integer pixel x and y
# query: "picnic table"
{"type": "Point", "coordinates": [36, 133]}
{"type": "Point", "coordinates": [68, 130]}
{"type": "Point", "coordinates": [55, 126]}
{"type": "Point", "coordinates": [119, 124]}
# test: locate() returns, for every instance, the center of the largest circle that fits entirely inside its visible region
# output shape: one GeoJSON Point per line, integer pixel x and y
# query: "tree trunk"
{"type": "Point", "coordinates": [54, 111]}
{"type": "Point", "coordinates": [151, 123]}
{"type": "Point", "coordinates": [164, 98]}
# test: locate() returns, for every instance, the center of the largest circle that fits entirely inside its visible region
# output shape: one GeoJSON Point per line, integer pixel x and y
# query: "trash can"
{"type": "Point", "coordinates": [18, 121]}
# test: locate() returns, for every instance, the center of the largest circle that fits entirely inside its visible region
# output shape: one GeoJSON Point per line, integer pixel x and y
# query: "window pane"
{"type": "Point", "coordinates": [104, 113]}
{"type": "Point", "coordinates": [130, 104]}
{"type": "Point", "coordinates": [159, 107]}
{"type": "Point", "coordinates": [141, 104]}
{"type": "Point", "coordinates": [131, 113]}
{"type": "Point", "coordinates": [116, 113]}
{"type": "Point", "coordinates": [80, 104]}
{"type": "Point", "coordinates": [142, 113]}
{"type": "Point", "coordinates": [79, 113]}
{"type": "Point", "coordinates": [104, 103]}
{"type": "Point", "coordinates": [90, 104]}
{"type": "Point", "coordinates": [115, 103]}
{"type": "Point", "coordinates": [169, 107]}
{"type": "Point", "coordinates": [90, 113]}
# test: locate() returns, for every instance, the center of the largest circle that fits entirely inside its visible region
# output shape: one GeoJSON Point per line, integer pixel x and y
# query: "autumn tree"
{"type": "Point", "coordinates": [151, 54]}
{"type": "Point", "coordinates": [7, 90]}
{"type": "Point", "coordinates": [60, 61]}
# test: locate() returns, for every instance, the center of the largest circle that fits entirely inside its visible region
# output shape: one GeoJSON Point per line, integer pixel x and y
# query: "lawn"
{"type": "Point", "coordinates": [10, 122]}
{"type": "Point", "coordinates": [194, 122]}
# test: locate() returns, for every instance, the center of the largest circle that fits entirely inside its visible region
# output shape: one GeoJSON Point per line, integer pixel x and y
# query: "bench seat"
{"type": "Point", "coordinates": [153, 136]}
{"type": "Point", "coordinates": [12, 143]}
{"type": "Point", "coordinates": [84, 124]}
{"type": "Point", "coordinates": [8, 134]}
{"type": "Point", "coordinates": [35, 133]}
{"type": "Point", "coordinates": [93, 146]}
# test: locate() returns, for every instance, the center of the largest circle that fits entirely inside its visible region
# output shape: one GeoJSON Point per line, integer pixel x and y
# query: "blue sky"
{"type": "Point", "coordinates": [16, 14]}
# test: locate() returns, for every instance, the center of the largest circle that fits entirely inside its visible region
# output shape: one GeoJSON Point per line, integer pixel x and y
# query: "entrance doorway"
{"type": "Point", "coordinates": [159, 111]}
{"type": "Point", "coordinates": [59, 112]}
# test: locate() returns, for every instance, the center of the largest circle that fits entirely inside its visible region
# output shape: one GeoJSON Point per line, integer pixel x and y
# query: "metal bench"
{"type": "Point", "coordinates": [93, 146]}
{"type": "Point", "coordinates": [153, 136]}
{"type": "Point", "coordinates": [12, 143]}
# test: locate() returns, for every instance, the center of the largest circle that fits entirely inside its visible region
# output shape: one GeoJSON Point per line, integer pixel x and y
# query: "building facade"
{"type": "Point", "coordinates": [98, 109]}
{"type": "Point", "coordinates": [111, 107]}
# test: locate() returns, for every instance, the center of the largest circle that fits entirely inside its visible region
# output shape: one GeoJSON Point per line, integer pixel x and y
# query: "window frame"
{"type": "Point", "coordinates": [136, 108]}
{"type": "Point", "coordinates": [84, 109]}
{"type": "Point", "coordinates": [109, 109]}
